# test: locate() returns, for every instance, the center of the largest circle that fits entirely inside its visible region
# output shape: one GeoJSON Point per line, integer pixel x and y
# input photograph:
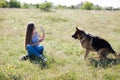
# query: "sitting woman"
{"type": "Point", "coordinates": [32, 42]}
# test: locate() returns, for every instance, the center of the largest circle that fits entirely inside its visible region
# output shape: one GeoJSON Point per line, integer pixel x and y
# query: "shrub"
{"type": "Point", "coordinates": [15, 4]}
{"type": "Point", "coordinates": [3, 4]}
{"type": "Point", "coordinates": [45, 6]}
{"type": "Point", "coordinates": [87, 6]}
{"type": "Point", "coordinates": [25, 5]}
{"type": "Point", "coordinates": [97, 7]}
{"type": "Point", "coordinates": [61, 7]}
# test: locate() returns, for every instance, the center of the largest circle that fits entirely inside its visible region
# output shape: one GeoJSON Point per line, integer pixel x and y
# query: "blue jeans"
{"type": "Point", "coordinates": [35, 50]}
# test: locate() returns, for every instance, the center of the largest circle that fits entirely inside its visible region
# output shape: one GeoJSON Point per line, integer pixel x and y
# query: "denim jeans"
{"type": "Point", "coordinates": [35, 50]}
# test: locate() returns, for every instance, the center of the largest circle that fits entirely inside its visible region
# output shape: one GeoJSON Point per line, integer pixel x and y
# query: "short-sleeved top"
{"type": "Point", "coordinates": [35, 38]}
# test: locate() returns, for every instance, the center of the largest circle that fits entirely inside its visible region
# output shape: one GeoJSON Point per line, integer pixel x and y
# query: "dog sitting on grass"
{"type": "Point", "coordinates": [94, 43]}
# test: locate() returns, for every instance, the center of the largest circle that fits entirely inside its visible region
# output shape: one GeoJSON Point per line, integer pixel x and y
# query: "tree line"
{"type": "Point", "coordinates": [10, 4]}
{"type": "Point", "coordinates": [46, 6]}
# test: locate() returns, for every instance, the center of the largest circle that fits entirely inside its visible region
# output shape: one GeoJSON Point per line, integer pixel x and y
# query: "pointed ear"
{"type": "Point", "coordinates": [77, 29]}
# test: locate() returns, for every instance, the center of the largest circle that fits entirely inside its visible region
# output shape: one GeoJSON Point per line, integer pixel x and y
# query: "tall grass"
{"type": "Point", "coordinates": [63, 53]}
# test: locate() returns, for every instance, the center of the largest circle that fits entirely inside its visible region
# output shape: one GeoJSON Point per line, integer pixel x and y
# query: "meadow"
{"type": "Point", "coordinates": [64, 54]}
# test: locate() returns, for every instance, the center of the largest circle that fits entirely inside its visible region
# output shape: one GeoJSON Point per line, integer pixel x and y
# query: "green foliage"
{"type": "Point", "coordinates": [109, 8]}
{"type": "Point", "coordinates": [25, 5]}
{"type": "Point", "coordinates": [3, 3]}
{"type": "Point", "coordinates": [116, 9]}
{"type": "Point", "coordinates": [45, 6]}
{"type": "Point", "coordinates": [61, 7]}
{"type": "Point", "coordinates": [15, 4]}
{"type": "Point", "coordinates": [87, 6]}
{"type": "Point", "coordinates": [37, 5]}
{"type": "Point", "coordinates": [97, 7]}
{"type": "Point", "coordinates": [72, 7]}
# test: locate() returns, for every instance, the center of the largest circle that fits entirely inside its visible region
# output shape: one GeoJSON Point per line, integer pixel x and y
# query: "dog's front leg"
{"type": "Point", "coordinates": [86, 54]}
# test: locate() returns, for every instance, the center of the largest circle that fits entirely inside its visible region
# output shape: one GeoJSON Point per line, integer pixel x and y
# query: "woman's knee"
{"type": "Point", "coordinates": [28, 47]}
{"type": "Point", "coordinates": [42, 47]}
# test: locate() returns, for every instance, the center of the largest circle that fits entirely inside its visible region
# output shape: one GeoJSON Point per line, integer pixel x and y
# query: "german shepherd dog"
{"type": "Point", "coordinates": [94, 43]}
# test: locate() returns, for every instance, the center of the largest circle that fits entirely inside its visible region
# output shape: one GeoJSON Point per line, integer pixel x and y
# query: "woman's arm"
{"type": "Point", "coordinates": [43, 35]}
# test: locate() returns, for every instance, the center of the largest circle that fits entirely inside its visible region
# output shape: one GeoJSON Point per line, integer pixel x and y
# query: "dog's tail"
{"type": "Point", "coordinates": [114, 53]}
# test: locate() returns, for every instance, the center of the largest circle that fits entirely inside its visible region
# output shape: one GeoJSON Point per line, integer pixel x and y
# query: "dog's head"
{"type": "Point", "coordinates": [78, 34]}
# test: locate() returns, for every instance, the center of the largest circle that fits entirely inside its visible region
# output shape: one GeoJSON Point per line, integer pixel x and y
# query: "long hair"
{"type": "Point", "coordinates": [29, 32]}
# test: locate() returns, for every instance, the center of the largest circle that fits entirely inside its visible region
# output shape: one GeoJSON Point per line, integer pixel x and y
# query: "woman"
{"type": "Point", "coordinates": [32, 41]}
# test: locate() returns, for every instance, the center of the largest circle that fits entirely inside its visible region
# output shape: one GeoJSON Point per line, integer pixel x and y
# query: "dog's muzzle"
{"type": "Point", "coordinates": [73, 36]}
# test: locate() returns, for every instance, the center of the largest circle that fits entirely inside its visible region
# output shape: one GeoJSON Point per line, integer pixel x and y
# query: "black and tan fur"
{"type": "Point", "coordinates": [93, 43]}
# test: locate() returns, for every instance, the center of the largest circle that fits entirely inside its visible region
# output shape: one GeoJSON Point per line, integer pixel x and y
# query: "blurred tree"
{"type": "Point", "coordinates": [25, 5]}
{"type": "Point", "coordinates": [3, 3]}
{"type": "Point", "coordinates": [45, 6]}
{"type": "Point", "coordinates": [97, 7]}
{"type": "Point", "coordinates": [61, 7]}
{"type": "Point", "coordinates": [72, 7]}
{"type": "Point", "coordinates": [37, 5]}
{"type": "Point", "coordinates": [14, 4]}
{"type": "Point", "coordinates": [109, 8]}
{"type": "Point", "coordinates": [87, 6]}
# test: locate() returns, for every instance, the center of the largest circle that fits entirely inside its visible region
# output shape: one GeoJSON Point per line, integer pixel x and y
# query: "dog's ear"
{"type": "Point", "coordinates": [77, 29]}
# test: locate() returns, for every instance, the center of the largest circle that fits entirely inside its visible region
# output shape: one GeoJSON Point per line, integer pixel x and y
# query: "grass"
{"type": "Point", "coordinates": [64, 54]}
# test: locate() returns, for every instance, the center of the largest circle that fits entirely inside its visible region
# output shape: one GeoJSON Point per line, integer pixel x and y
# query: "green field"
{"type": "Point", "coordinates": [64, 54]}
